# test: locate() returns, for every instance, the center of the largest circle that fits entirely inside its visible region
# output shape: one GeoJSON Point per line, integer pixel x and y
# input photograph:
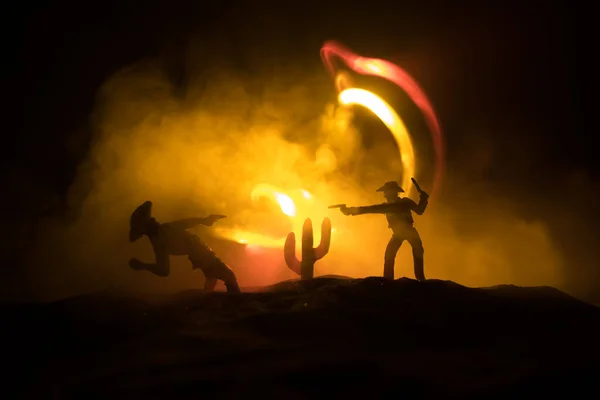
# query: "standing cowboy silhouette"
{"type": "Point", "coordinates": [398, 212]}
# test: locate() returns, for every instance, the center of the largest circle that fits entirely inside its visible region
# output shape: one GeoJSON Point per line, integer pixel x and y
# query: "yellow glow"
{"type": "Point", "coordinates": [392, 121]}
{"type": "Point", "coordinates": [251, 238]}
{"type": "Point", "coordinates": [285, 202]}
{"type": "Point", "coordinates": [298, 205]}
{"type": "Point", "coordinates": [287, 205]}
{"type": "Point", "coordinates": [207, 153]}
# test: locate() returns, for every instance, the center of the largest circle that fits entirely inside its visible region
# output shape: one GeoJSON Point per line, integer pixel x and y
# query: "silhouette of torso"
{"type": "Point", "coordinates": [179, 242]}
{"type": "Point", "coordinates": [400, 215]}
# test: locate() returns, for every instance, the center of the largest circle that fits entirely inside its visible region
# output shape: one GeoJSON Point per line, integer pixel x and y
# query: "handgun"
{"type": "Point", "coordinates": [416, 185]}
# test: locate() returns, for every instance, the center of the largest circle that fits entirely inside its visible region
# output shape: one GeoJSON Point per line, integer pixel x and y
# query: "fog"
{"type": "Point", "coordinates": [204, 152]}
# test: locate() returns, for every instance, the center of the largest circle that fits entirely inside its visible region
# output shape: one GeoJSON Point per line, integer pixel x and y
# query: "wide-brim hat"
{"type": "Point", "coordinates": [139, 220]}
{"type": "Point", "coordinates": [391, 186]}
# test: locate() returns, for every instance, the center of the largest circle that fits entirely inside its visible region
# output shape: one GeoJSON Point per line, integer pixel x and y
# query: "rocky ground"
{"type": "Point", "coordinates": [330, 336]}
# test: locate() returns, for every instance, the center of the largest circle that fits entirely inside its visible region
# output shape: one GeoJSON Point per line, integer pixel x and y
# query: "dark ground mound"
{"type": "Point", "coordinates": [328, 336]}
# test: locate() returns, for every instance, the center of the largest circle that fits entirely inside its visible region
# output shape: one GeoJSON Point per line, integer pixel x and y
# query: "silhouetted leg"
{"type": "Point", "coordinates": [231, 281]}
{"type": "Point", "coordinates": [209, 284]}
{"type": "Point", "coordinates": [204, 265]}
{"type": "Point", "coordinates": [390, 256]}
{"type": "Point", "coordinates": [226, 274]}
{"type": "Point", "coordinates": [160, 270]}
{"type": "Point", "coordinates": [233, 286]}
{"type": "Point", "coordinates": [418, 254]}
{"type": "Point", "coordinates": [215, 268]}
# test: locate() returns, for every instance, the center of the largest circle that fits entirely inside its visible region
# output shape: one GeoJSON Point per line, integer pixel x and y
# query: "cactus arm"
{"type": "Point", "coordinates": [323, 248]}
{"type": "Point", "coordinates": [289, 253]}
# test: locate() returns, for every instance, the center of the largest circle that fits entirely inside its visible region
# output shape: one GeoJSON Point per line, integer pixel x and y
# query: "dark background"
{"type": "Point", "coordinates": [520, 76]}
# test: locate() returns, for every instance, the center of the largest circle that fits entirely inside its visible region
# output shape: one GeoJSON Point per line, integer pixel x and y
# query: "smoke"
{"type": "Point", "coordinates": [204, 153]}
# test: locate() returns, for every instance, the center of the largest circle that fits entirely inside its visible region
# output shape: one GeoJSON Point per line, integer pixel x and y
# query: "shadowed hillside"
{"type": "Point", "coordinates": [327, 336]}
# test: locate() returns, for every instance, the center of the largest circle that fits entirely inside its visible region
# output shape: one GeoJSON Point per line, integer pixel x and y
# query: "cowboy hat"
{"type": "Point", "coordinates": [138, 220]}
{"type": "Point", "coordinates": [391, 186]}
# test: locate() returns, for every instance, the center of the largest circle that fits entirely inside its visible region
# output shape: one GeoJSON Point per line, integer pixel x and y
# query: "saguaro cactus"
{"type": "Point", "coordinates": [306, 267]}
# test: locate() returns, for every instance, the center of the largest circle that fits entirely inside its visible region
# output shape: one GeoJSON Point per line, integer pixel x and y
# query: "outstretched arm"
{"type": "Point", "coordinates": [188, 223]}
{"type": "Point", "coordinates": [383, 208]}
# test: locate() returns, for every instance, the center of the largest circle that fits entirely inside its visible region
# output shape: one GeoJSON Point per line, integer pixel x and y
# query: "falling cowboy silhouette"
{"type": "Point", "coordinates": [398, 212]}
{"type": "Point", "coordinates": [172, 238]}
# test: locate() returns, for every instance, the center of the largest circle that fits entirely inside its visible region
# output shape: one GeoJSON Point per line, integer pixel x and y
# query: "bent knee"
{"type": "Point", "coordinates": [226, 274]}
{"type": "Point", "coordinates": [230, 276]}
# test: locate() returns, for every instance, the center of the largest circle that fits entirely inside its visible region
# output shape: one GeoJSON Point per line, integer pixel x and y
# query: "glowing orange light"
{"type": "Point", "coordinates": [301, 204]}
{"type": "Point", "coordinates": [393, 73]}
{"type": "Point", "coordinates": [287, 205]}
{"type": "Point", "coordinates": [297, 205]}
{"type": "Point", "coordinates": [392, 121]}
{"type": "Point", "coordinates": [283, 200]}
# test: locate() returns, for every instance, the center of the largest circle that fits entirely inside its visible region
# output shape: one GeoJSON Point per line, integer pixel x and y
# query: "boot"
{"type": "Point", "coordinates": [233, 287]}
{"type": "Point", "coordinates": [419, 273]}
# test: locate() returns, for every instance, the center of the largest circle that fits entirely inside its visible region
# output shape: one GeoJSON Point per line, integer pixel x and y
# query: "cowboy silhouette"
{"type": "Point", "coordinates": [172, 238]}
{"type": "Point", "coordinates": [398, 212]}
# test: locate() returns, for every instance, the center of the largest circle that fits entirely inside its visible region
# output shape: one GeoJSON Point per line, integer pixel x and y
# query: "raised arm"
{"type": "Point", "coordinates": [188, 223]}
{"type": "Point", "coordinates": [419, 208]}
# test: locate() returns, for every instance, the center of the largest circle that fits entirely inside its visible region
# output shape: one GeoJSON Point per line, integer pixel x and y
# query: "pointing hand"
{"type": "Point", "coordinates": [348, 210]}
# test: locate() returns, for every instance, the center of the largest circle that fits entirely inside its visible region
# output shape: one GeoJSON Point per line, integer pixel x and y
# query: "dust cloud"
{"type": "Point", "coordinates": [205, 152]}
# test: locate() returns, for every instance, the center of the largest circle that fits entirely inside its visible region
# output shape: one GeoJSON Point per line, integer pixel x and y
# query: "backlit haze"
{"type": "Point", "coordinates": [269, 150]}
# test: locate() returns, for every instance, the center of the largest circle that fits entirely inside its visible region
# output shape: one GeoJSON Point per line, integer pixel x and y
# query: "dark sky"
{"type": "Point", "coordinates": [497, 67]}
